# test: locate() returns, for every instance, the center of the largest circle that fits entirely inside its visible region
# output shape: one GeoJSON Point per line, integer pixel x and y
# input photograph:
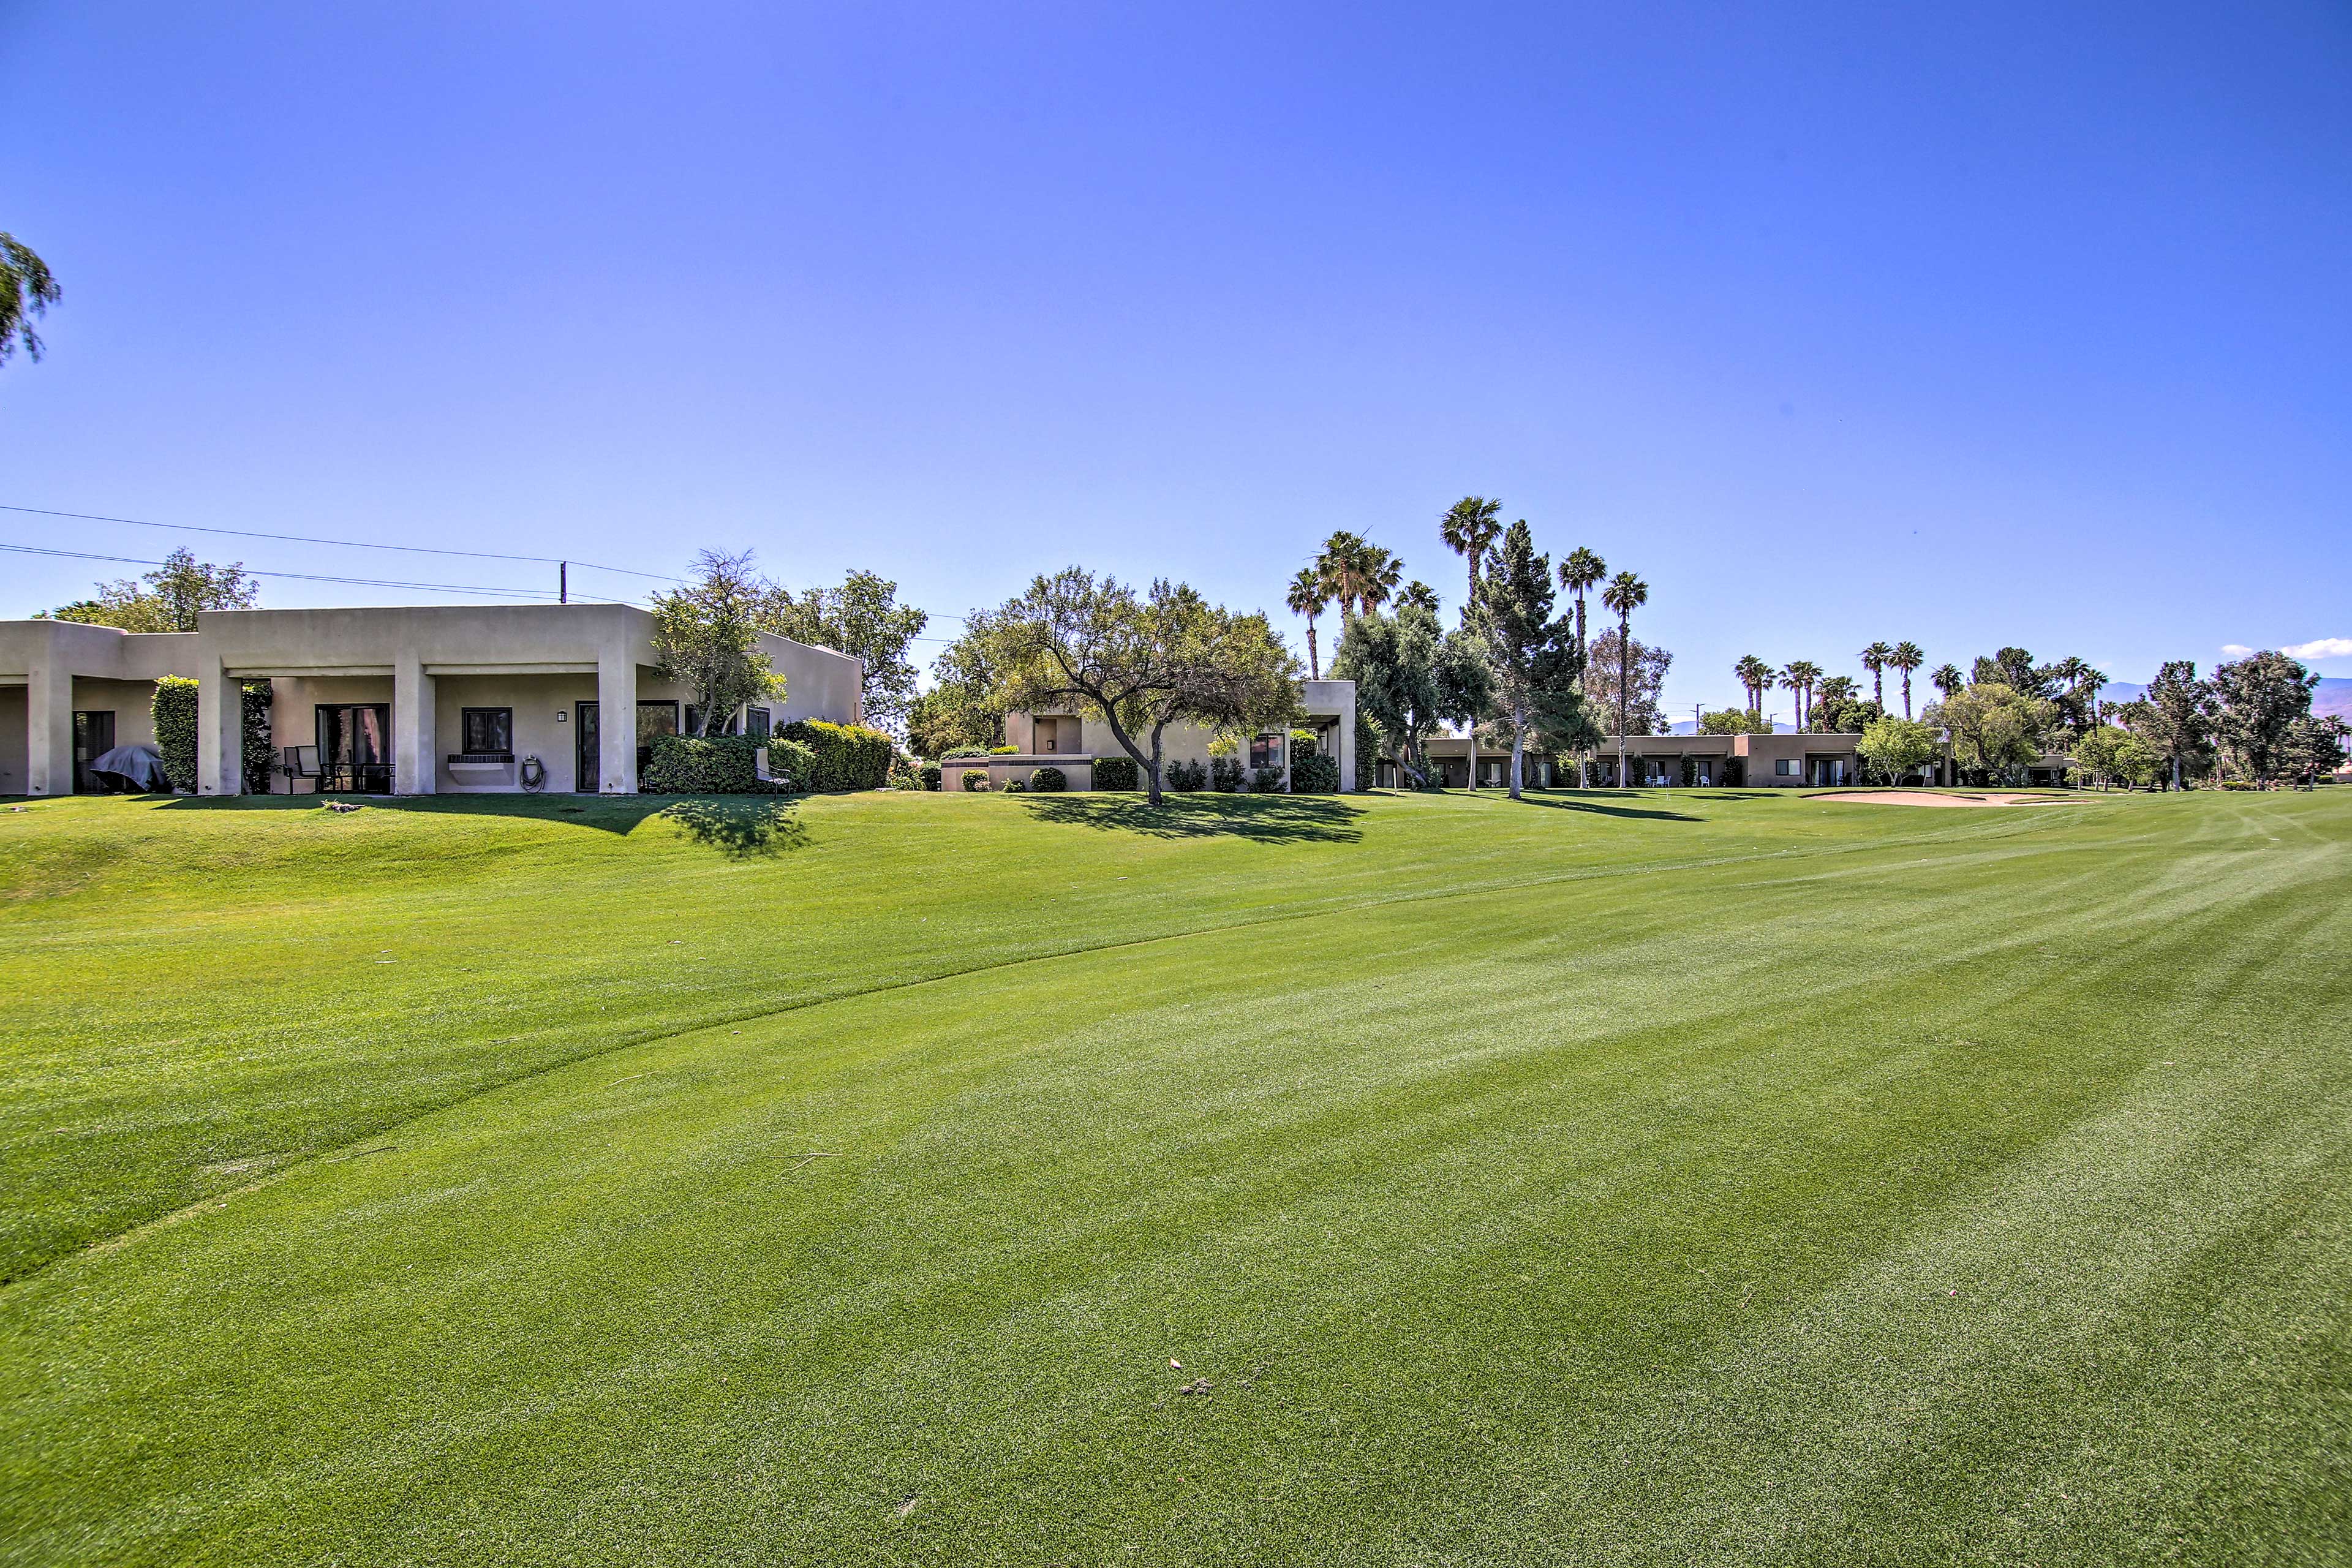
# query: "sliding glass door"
{"type": "Point", "coordinates": [356, 747]}
{"type": "Point", "coordinates": [94, 738]}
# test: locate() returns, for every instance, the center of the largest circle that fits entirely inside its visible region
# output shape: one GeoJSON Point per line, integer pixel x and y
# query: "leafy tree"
{"type": "Point", "coordinates": [1410, 681]}
{"type": "Point", "coordinates": [1532, 657]}
{"type": "Point", "coordinates": [1469, 527]}
{"type": "Point", "coordinates": [1309, 597]}
{"type": "Point", "coordinates": [2315, 746]}
{"type": "Point", "coordinates": [1994, 728]}
{"type": "Point", "coordinates": [864, 619]}
{"type": "Point", "coordinates": [1844, 714]}
{"type": "Point", "coordinates": [2094, 754]}
{"type": "Point", "coordinates": [2175, 717]}
{"type": "Point", "coordinates": [2014, 668]}
{"type": "Point", "coordinates": [2257, 700]}
{"type": "Point", "coordinates": [1579, 569]}
{"type": "Point", "coordinates": [168, 599]}
{"type": "Point", "coordinates": [1876, 658]}
{"type": "Point", "coordinates": [707, 637]}
{"type": "Point", "coordinates": [1646, 670]}
{"type": "Point", "coordinates": [26, 290]}
{"type": "Point", "coordinates": [1891, 748]}
{"type": "Point", "coordinates": [1733, 721]}
{"type": "Point", "coordinates": [1907, 658]}
{"type": "Point", "coordinates": [1625, 593]}
{"type": "Point", "coordinates": [964, 706]}
{"type": "Point", "coordinates": [1142, 664]}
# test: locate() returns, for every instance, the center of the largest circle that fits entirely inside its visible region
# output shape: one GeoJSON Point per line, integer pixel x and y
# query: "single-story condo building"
{"type": "Point", "coordinates": [1070, 741]}
{"type": "Point", "coordinates": [397, 701]}
{"type": "Point", "coordinates": [1790, 761]}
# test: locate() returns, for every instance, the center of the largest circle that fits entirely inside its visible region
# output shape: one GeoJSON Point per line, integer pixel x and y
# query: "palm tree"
{"type": "Point", "coordinates": [1801, 676]}
{"type": "Point", "coordinates": [1468, 528]}
{"type": "Point", "coordinates": [1310, 595]}
{"type": "Point", "coordinates": [1755, 676]}
{"type": "Point", "coordinates": [2078, 676]}
{"type": "Point", "coordinates": [1341, 567]}
{"type": "Point", "coordinates": [1947, 678]}
{"type": "Point", "coordinates": [1907, 658]}
{"type": "Point", "coordinates": [1625, 595]}
{"type": "Point", "coordinates": [1381, 571]}
{"type": "Point", "coordinates": [1419, 595]}
{"type": "Point", "coordinates": [1579, 569]}
{"type": "Point", "coordinates": [1876, 658]}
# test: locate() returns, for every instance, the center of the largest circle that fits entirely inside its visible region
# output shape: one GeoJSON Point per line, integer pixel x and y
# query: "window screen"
{"type": "Point", "coordinates": [487, 729]}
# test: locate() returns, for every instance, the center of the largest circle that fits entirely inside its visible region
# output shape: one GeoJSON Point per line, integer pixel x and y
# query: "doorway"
{"type": "Point", "coordinates": [94, 738]}
{"type": "Point", "coordinates": [584, 772]}
{"type": "Point", "coordinates": [354, 748]}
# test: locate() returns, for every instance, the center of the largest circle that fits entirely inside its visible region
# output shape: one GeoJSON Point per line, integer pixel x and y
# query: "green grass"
{"type": "Point", "coordinates": [1683, 1176]}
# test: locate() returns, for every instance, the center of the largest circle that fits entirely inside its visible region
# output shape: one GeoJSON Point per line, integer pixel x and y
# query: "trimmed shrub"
{"type": "Point", "coordinates": [1115, 773]}
{"type": "Point", "coordinates": [930, 774]}
{"type": "Point", "coordinates": [1314, 774]}
{"type": "Point", "coordinates": [1224, 775]}
{"type": "Point", "coordinates": [1265, 781]}
{"type": "Point", "coordinates": [1014, 786]}
{"type": "Point", "coordinates": [956, 754]}
{"type": "Point", "coordinates": [709, 764]}
{"type": "Point", "coordinates": [257, 748]}
{"type": "Point", "coordinates": [1003, 750]}
{"type": "Point", "coordinates": [1186, 777]}
{"type": "Point", "coordinates": [975, 780]}
{"type": "Point", "coordinates": [174, 713]}
{"type": "Point", "coordinates": [848, 756]}
{"type": "Point", "coordinates": [1049, 780]}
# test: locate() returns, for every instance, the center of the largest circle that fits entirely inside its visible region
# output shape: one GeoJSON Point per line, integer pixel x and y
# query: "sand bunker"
{"type": "Point", "coordinates": [1921, 798]}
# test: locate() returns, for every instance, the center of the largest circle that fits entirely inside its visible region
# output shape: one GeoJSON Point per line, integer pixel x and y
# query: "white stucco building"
{"type": "Point", "coordinates": [402, 700]}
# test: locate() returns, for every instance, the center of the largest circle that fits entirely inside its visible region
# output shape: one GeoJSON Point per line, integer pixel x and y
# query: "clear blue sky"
{"type": "Point", "coordinates": [1974, 325]}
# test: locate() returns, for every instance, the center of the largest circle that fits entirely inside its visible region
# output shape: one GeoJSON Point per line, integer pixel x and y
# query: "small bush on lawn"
{"type": "Point", "coordinates": [904, 775]}
{"type": "Point", "coordinates": [174, 713]}
{"type": "Point", "coordinates": [848, 756]}
{"type": "Point", "coordinates": [975, 779]}
{"type": "Point", "coordinates": [1049, 780]}
{"type": "Point", "coordinates": [1186, 777]}
{"type": "Point", "coordinates": [1314, 776]}
{"type": "Point", "coordinates": [1225, 775]}
{"type": "Point", "coordinates": [713, 764]}
{"type": "Point", "coordinates": [1115, 773]}
{"type": "Point", "coordinates": [1265, 781]}
{"type": "Point", "coordinates": [930, 774]}
{"type": "Point", "coordinates": [1014, 786]}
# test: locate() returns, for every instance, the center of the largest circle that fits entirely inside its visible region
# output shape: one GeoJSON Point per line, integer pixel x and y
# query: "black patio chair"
{"type": "Point", "coordinates": [302, 763]}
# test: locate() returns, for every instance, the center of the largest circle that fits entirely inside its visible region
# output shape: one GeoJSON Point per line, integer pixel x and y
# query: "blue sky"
{"type": "Point", "coordinates": [2020, 324]}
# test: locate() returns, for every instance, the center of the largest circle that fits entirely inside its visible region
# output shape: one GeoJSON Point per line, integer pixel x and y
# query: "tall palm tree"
{"type": "Point", "coordinates": [1801, 676]}
{"type": "Point", "coordinates": [1381, 573]}
{"type": "Point", "coordinates": [2078, 676]}
{"type": "Point", "coordinates": [1625, 595]}
{"type": "Point", "coordinates": [1310, 595]}
{"type": "Point", "coordinates": [1876, 658]}
{"type": "Point", "coordinates": [1341, 567]}
{"type": "Point", "coordinates": [1419, 595]}
{"type": "Point", "coordinates": [1468, 528]}
{"type": "Point", "coordinates": [1579, 569]}
{"type": "Point", "coordinates": [1947, 678]}
{"type": "Point", "coordinates": [1907, 658]}
{"type": "Point", "coordinates": [1755, 677]}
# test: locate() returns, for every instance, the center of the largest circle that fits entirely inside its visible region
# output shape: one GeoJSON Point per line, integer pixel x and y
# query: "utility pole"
{"type": "Point", "coordinates": [564, 582]}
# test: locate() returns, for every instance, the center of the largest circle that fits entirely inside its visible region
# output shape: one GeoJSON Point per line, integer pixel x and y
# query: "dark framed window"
{"type": "Point", "coordinates": [482, 731]}
{"type": "Point", "coordinates": [1266, 751]}
{"type": "Point", "coordinates": [757, 723]}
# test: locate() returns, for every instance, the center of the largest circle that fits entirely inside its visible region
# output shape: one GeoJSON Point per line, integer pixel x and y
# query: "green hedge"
{"type": "Point", "coordinates": [1314, 774]}
{"type": "Point", "coordinates": [1116, 772]}
{"type": "Point", "coordinates": [174, 713]}
{"type": "Point", "coordinates": [259, 748]}
{"type": "Point", "coordinates": [1049, 780]}
{"type": "Point", "coordinates": [930, 774]}
{"type": "Point", "coordinates": [704, 764]}
{"type": "Point", "coordinates": [975, 779]}
{"type": "Point", "coordinates": [848, 756]}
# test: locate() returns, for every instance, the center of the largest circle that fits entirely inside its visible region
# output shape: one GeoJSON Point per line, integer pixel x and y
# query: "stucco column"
{"type": "Point", "coordinates": [220, 728]}
{"type": "Point", "coordinates": [1347, 751]}
{"type": "Point", "coordinates": [49, 728]}
{"type": "Point", "coordinates": [617, 720]}
{"type": "Point", "coordinates": [415, 769]}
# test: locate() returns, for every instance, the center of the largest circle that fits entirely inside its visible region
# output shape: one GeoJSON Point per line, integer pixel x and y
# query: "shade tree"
{"type": "Point", "coordinates": [1531, 654]}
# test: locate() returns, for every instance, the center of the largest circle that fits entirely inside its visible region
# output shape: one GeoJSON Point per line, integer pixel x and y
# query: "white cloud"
{"type": "Point", "coordinates": [2321, 647]}
{"type": "Point", "coordinates": [2236, 649]}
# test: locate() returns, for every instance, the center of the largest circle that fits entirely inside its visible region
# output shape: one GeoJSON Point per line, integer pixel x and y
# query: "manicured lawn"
{"type": "Point", "coordinates": [1680, 1176]}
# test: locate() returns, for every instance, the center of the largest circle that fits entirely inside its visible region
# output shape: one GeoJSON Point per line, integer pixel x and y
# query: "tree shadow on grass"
{"type": "Point", "coordinates": [740, 827]}
{"type": "Point", "coordinates": [1605, 807]}
{"type": "Point", "coordinates": [1266, 818]}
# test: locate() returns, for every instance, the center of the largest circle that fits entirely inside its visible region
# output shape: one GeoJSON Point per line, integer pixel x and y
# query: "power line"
{"type": "Point", "coordinates": [343, 544]}
{"type": "Point", "coordinates": [315, 577]}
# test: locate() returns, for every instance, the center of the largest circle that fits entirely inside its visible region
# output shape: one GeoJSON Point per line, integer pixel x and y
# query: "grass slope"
{"type": "Point", "coordinates": [1681, 1178]}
